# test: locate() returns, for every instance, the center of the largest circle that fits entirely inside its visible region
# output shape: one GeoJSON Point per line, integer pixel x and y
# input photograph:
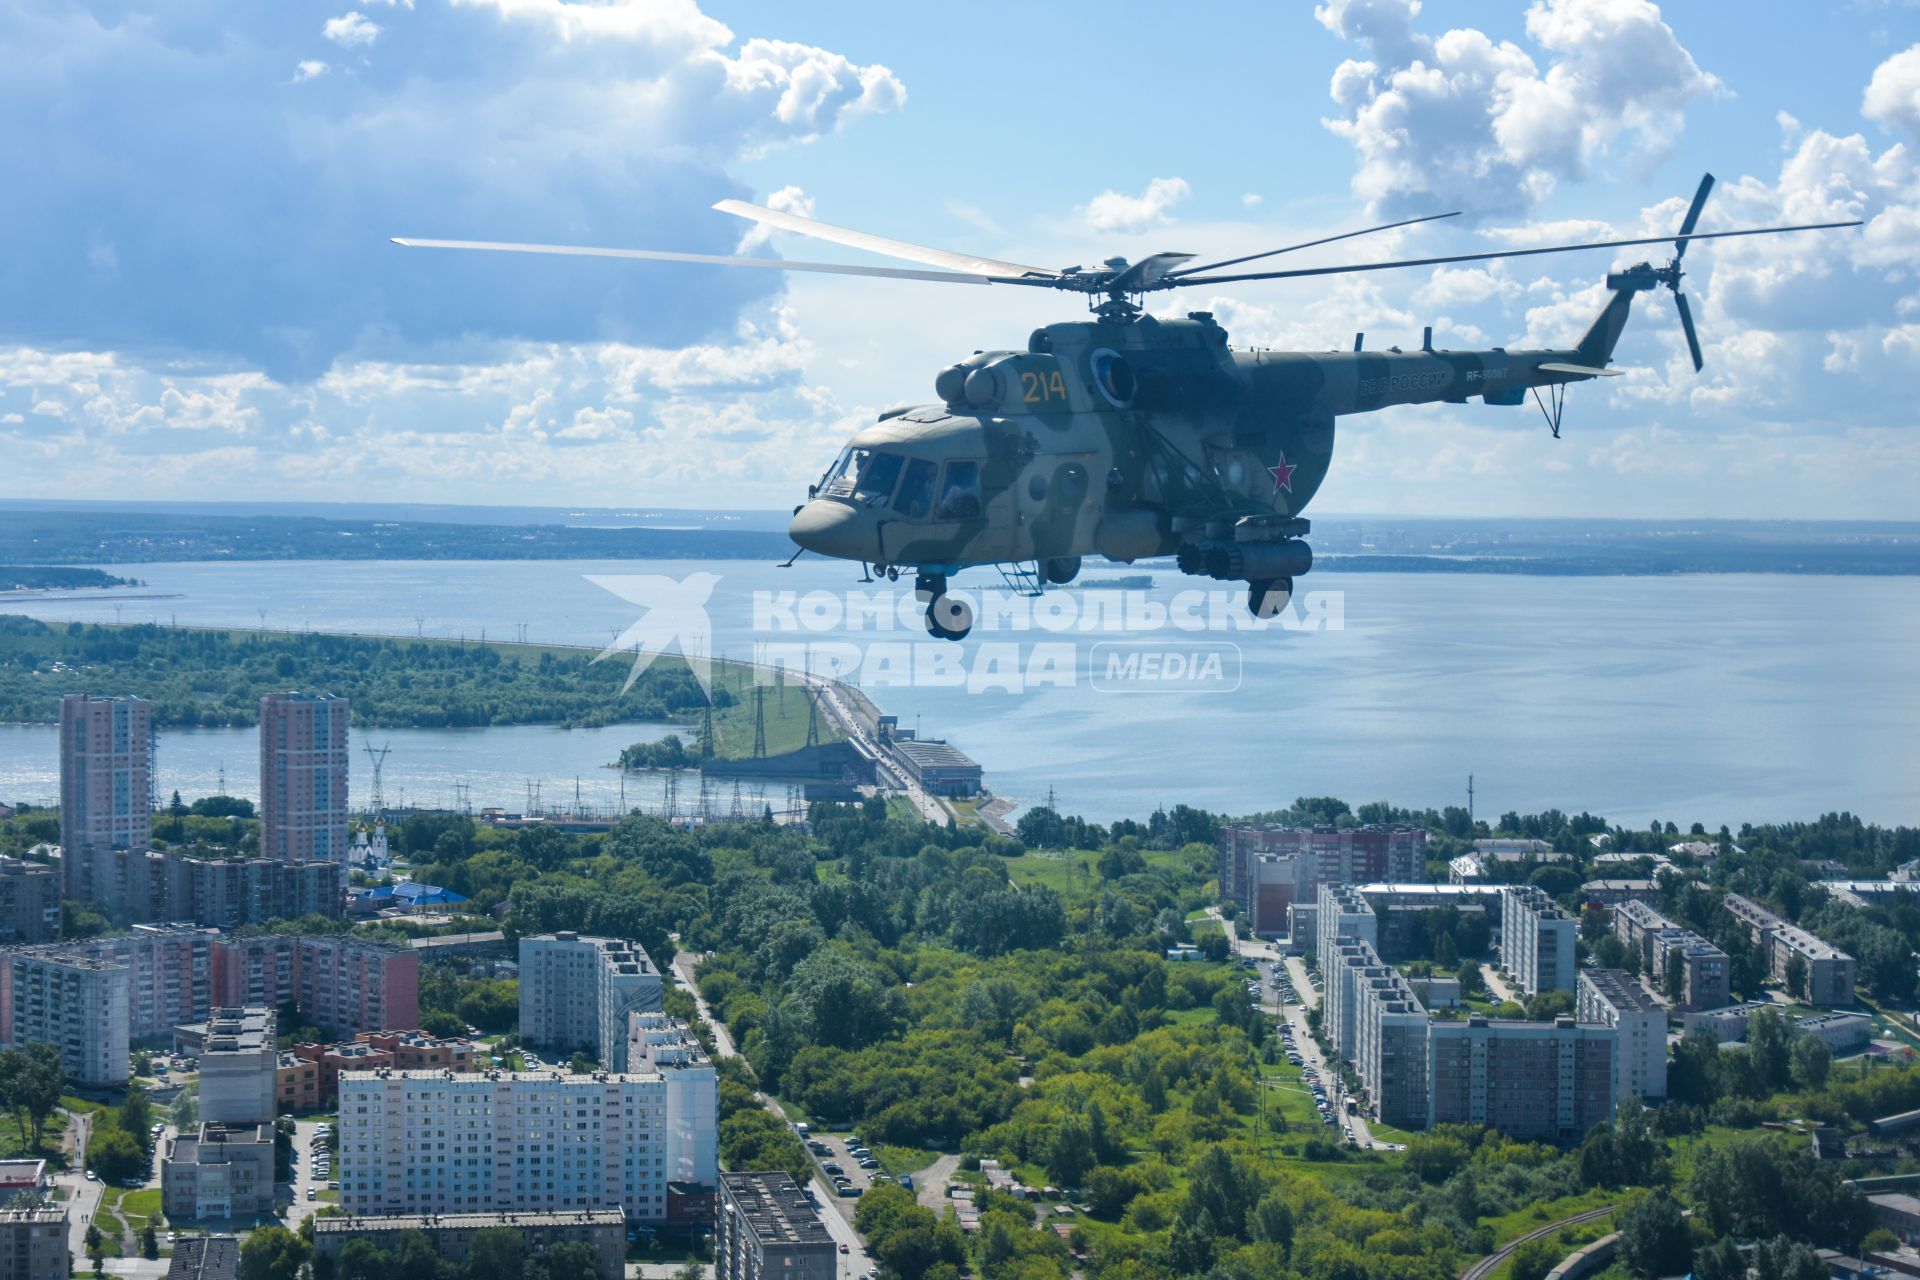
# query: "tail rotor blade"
{"type": "Point", "coordinates": [1693, 216]}
{"type": "Point", "coordinates": [1686, 327]}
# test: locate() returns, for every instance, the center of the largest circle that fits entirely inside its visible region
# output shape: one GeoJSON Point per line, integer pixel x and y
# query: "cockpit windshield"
{"type": "Point", "coordinates": [865, 475]}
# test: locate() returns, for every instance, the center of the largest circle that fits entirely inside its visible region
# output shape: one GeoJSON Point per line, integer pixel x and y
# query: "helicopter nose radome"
{"type": "Point", "coordinates": [831, 529]}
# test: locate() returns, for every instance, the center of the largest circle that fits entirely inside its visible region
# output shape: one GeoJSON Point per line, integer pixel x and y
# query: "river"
{"type": "Point", "coordinates": [1698, 698]}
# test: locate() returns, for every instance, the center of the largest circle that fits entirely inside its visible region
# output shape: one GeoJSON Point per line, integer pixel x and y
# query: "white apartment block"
{"type": "Point", "coordinates": [658, 1043]}
{"type": "Point", "coordinates": [576, 993]}
{"type": "Point", "coordinates": [1536, 940]}
{"type": "Point", "coordinates": [77, 1004]}
{"type": "Point", "coordinates": [442, 1142]}
{"type": "Point", "coordinates": [106, 795]}
{"type": "Point", "coordinates": [1616, 999]}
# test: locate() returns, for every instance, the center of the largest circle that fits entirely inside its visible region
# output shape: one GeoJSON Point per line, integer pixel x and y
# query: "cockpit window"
{"type": "Point", "coordinates": [878, 472]}
{"type": "Point", "coordinates": [915, 498]}
{"type": "Point", "coordinates": [838, 482]}
{"type": "Point", "coordinates": [959, 492]}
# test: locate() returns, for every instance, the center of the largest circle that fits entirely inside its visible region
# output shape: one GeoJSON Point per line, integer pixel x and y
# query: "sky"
{"type": "Point", "coordinates": [201, 300]}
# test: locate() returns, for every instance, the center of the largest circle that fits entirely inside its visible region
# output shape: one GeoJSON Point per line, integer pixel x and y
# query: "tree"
{"type": "Point", "coordinates": [1722, 1260]}
{"type": "Point", "coordinates": [272, 1253]}
{"type": "Point", "coordinates": [1812, 1060]}
{"type": "Point", "coordinates": [112, 1152]}
{"type": "Point", "coordinates": [136, 1113]}
{"type": "Point", "coordinates": [149, 1241]}
{"type": "Point", "coordinates": [1654, 1239]}
{"type": "Point", "coordinates": [1674, 981]}
{"type": "Point", "coordinates": [1071, 1154]}
{"type": "Point", "coordinates": [1769, 1048]}
{"type": "Point", "coordinates": [494, 1253]}
{"type": "Point", "coordinates": [1797, 976]}
{"type": "Point", "coordinates": [1532, 1260]}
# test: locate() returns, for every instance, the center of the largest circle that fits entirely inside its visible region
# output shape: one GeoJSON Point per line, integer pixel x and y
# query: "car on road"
{"type": "Point", "coordinates": [312, 1194]}
{"type": "Point", "coordinates": [92, 1176]}
{"type": "Point", "coordinates": [843, 1246]}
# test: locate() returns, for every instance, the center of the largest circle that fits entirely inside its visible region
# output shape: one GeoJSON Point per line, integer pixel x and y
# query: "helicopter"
{"type": "Point", "coordinates": [1132, 435]}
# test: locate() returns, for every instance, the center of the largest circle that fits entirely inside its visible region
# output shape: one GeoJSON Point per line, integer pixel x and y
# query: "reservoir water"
{"type": "Point", "coordinates": [1703, 698]}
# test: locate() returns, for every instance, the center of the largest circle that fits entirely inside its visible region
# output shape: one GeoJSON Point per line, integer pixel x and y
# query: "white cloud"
{"type": "Point", "coordinates": [1116, 212]}
{"type": "Point", "coordinates": [309, 69]}
{"type": "Point", "coordinates": [786, 200]}
{"type": "Point", "coordinates": [1464, 120]}
{"type": "Point", "coordinates": [1251, 200]}
{"type": "Point", "coordinates": [1892, 99]}
{"type": "Point", "coordinates": [351, 30]}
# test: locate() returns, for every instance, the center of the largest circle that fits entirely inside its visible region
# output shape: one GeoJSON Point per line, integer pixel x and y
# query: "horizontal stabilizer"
{"type": "Point", "coordinates": [1579, 370]}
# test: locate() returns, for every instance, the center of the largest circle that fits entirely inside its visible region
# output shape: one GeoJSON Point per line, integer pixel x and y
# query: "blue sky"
{"type": "Point", "coordinates": [205, 304]}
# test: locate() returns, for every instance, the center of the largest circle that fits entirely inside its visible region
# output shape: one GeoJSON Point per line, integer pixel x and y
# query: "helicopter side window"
{"type": "Point", "coordinates": [959, 493]}
{"type": "Point", "coordinates": [915, 498]}
{"type": "Point", "coordinates": [877, 478]}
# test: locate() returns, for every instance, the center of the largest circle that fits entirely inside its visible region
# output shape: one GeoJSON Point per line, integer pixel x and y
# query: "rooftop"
{"type": "Point", "coordinates": [351, 1225]}
{"type": "Point", "coordinates": [204, 1258]}
{"type": "Point", "coordinates": [775, 1208]}
{"type": "Point", "coordinates": [1620, 989]}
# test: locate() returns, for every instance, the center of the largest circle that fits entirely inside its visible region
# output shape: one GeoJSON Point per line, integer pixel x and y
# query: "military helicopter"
{"type": "Point", "coordinates": [1131, 435]}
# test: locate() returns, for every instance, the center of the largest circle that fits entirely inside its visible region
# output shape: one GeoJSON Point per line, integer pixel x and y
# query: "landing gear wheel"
{"type": "Point", "coordinates": [949, 617]}
{"type": "Point", "coordinates": [1267, 598]}
{"type": "Point", "coordinates": [928, 587]}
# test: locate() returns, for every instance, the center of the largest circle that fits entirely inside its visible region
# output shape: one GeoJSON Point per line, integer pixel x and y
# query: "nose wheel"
{"type": "Point", "coordinates": [948, 617]}
{"type": "Point", "coordinates": [1266, 598]}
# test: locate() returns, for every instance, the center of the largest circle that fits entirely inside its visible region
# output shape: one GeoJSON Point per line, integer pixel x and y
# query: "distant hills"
{"type": "Point", "coordinates": [47, 533]}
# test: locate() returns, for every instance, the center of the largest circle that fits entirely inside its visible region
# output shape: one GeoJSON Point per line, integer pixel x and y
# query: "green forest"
{"type": "Point", "coordinates": [212, 678]}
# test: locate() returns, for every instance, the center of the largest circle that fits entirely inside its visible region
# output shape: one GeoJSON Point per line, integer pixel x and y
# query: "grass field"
{"type": "Point", "coordinates": [787, 711]}
{"type": "Point", "coordinates": [1073, 869]}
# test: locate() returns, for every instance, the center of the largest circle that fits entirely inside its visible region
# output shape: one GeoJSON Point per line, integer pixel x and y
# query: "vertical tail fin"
{"type": "Point", "coordinates": [1604, 333]}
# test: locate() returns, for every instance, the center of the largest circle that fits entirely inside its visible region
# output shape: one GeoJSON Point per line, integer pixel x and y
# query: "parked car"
{"type": "Point", "coordinates": [832, 1167]}
{"type": "Point", "coordinates": [312, 1194]}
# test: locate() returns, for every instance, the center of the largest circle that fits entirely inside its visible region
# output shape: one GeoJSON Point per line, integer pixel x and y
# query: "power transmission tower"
{"type": "Point", "coordinates": [706, 733]}
{"type": "Point", "coordinates": [379, 759]}
{"type": "Point", "coordinates": [1469, 802]}
{"type": "Point", "coordinates": [813, 720]}
{"type": "Point", "coordinates": [759, 722]}
{"type": "Point", "coordinates": [737, 813]}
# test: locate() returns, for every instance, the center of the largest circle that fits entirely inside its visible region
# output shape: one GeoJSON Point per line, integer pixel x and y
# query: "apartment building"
{"type": "Point", "coordinates": [229, 893]}
{"type": "Point", "coordinates": [29, 902]}
{"type": "Point", "coordinates": [1830, 971]}
{"type": "Point", "coordinates": [219, 1171]}
{"type": "Point", "coordinates": [1320, 856]}
{"type": "Point", "coordinates": [308, 1076]}
{"type": "Point", "coordinates": [1705, 974]}
{"type": "Point", "coordinates": [1536, 1081]}
{"type": "Point", "coordinates": [766, 1227]}
{"type": "Point", "coordinates": [438, 1142]}
{"type": "Point", "coordinates": [106, 796]}
{"type": "Point", "coordinates": [239, 1054]}
{"type": "Point", "coordinates": [1536, 940]}
{"type": "Point", "coordinates": [1391, 1046]}
{"type": "Point", "coordinates": [576, 993]}
{"type": "Point", "coordinates": [347, 984]}
{"type": "Point", "coordinates": [604, 1231]}
{"type": "Point", "coordinates": [656, 1042]}
{"type": "Point", "coordinates": [1342, 912]}
{"type": "Point", "coordinates": [303, 778]}
{"type": "Point", "coordinates": [33, 1244]}
{"type": "Point", "coordinates": [79, 1005]}
{"type": "Point", "coordinates": [1615, 998]}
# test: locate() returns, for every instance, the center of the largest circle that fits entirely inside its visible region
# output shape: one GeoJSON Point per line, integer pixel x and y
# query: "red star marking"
{"type": "Point", "coordinates": [1283, 474]}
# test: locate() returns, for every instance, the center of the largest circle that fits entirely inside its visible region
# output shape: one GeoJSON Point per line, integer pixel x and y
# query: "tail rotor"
{"type": "Point", "coordinates": [1670, 275]}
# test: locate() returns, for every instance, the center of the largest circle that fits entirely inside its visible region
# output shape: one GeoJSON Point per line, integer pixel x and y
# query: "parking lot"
{"type": "Point", "coordinates": [846, 1162]}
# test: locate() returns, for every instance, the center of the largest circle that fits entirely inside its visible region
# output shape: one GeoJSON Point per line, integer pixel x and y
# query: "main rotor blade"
{"type": "Point", "coordinates": [707, 259]}
{"type": "Point", "coordinates": [1308, 244]}
{"type": "Point", "coordinates": [962, 262]}
{"type": "Point", "coordinates": [1693, 216]}
{"type": "Point", "coordinates": [1686, 327]}
{"type": "Point", "coordinates": [1502, 253]}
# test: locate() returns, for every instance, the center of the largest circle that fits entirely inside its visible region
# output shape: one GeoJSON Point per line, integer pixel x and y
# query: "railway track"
{"type": "Point", "coordinates": [1487, 1265]}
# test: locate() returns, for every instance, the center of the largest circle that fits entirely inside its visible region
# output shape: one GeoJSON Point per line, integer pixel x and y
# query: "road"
{"type": "Point", "coordinates": [1486, 1266]}
{"type": "Point", "coordinates": [835, 701]}
{"type": "Point", "coordinates": [82, 1197]}
{"type": "Point", "coordinates": [1498, 987]}
{"type": "Point", "coordinates": [854, 1261]}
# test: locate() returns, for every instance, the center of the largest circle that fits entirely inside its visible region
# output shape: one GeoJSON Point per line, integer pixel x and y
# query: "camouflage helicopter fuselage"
{"type": "Point", "coordinates": [1137, 438]}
